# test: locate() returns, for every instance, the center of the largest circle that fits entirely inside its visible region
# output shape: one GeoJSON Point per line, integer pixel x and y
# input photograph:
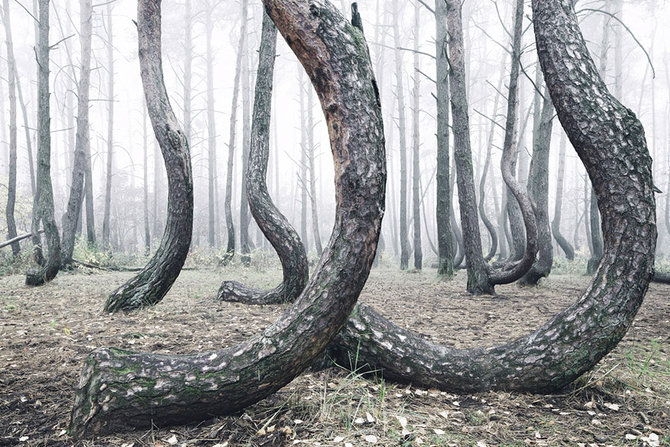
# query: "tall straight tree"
{"type": "Point", "coordinates": [311, 155]}
{"type": "Point", "coordinates": [110, 127]}
{"type": "Point", "coordinates": [445, 245]}
{"type": "Point", "coordinates": [302, 180]}
{"type": "Point", "coordinates": [245, 245]}
{"type": "Point", "coordinates": [211, 128]}
{"type": "Point", "coordinates": [556, 222]}
{"type": "Point", "coordinates": [188, 67]}
{"type": "Point", "coordinates": [82, 140]}
{"type": "Point", "coordinates": [43, 205]}
{"type": "Point", "coordinates": [145, 178]}
{"type": "Point", "coordinates": [416, 143]}
{"type": "Point", "coordinates": [228, 201]}
{"type": "Point", "coordinates": [402, 130]}
{"type": "Point", "coordinates": [11, 81]}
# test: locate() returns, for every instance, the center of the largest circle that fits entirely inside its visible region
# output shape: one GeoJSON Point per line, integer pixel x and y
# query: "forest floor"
{"type": "Point", "coordinates": [47, 332]}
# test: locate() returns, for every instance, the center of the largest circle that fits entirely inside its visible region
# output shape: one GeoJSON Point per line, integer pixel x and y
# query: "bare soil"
{"type": "Point", "coordinates": [47, 332]}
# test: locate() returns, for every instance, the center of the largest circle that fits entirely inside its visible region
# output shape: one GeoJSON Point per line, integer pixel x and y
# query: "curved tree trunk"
{"type": "Point", "coordinates": [274, 225]}
{"type": "Point", "coordinates": [538, 188]}
{"type": "Point", "coordinates": [155, 280]}
{"type": "Point", "coordinates": [610, 141]}
{"type": "Point", "coordinates": [73, 212]}
{"type": "Point", "coordinates": [556, 223]}
{"type": "Point", "coordinates": [482, 208]}
{"type": "Point", "coordinates": [177, 389]}
{"type": "Point", "coordinates": [43, 206]}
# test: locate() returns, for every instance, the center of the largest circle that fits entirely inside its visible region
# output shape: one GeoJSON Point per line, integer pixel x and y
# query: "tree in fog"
{"type": "Point", "coordinates": [110, 129]}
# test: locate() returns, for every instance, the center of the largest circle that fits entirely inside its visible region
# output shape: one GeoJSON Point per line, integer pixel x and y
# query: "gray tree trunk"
{"type": "Point", "coordinates": [43, 206]}
{"type": "Point", "coordinates": [556, 222]}
{"type": "Point", "coordinates": [176, 389]}
{"type": "Point", "coordinates": [145, 148]}
{"type": "Point", "coordinates": [245, 245]}
{"type": "Point", "coordinates": [311, 155]}
{"type": "Point", "coordinates": [26, 128]}
{"type": "Point", "coordinates": [110, 129]}
{"type": "Point", "coordinates": [610, 141]}
{"type": "Point", "coordinates": [444, 206]}
{"type": "Point", "coordinates": [82, 140]}
{"type": "Point", "coordinates": [211, 129]}
{"type": "Point", "coordinates": [302, 180]}
{"type": "Point", "coordinates": [150, 285]}
{"type": "Point", "coordinates": [11, 81]}
{"type": "Point", "coordinates": [274, 225]}
{"type": "Point", "coordinates": [402, 130]}
{"type": "Point", "coordinates": [228, 201]}
{"type": "Point", "coordinates": [416, 145]}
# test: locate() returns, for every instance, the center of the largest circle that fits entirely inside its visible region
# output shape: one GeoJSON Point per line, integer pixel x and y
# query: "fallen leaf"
{"type": "Point", "coordinates": [438, 431]}
{"type": "Point", "coordinates": [402, 421]}
{"type": "Point", "coordinates": [613, 407]}
{"type": "Point", "coordinates": [372, 439]}
{"type": "Point", "coordinates": [369, 417]}
{"type": "Point", "coordinates": [172, 440]}
{"type": "Point", "coordinates": [338, 439]}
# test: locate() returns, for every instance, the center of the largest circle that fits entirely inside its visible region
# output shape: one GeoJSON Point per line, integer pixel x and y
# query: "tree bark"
{"type": "Point", "coordinates": [43, 206]}
{"type": "Point", "coordinates": [154, 281]}
{"type": "Point", "coordinates": [274, 225]}
{"type": "Point", "coordinates": [556, 222]}
{"type": "Point", "coordinates": [119, 388]}
{"type": "Point", "coordinates": [445, 246]}
{"type": "Point", "coordinates": [110, 129]}
{"type": "Point", "coordinates": [610, 141]}
{"type": "Point", "coordinates": [11, 81]}
{"type": "Point", "coordinates": [82, 141]}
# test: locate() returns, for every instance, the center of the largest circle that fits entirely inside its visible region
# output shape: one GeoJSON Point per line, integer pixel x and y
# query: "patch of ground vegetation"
{"type": "Point", "coordinates": [47, 332]}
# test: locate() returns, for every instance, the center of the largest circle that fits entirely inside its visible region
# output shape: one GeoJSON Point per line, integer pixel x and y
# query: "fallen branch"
{"type": "Point", "coordinates": [18, 239]}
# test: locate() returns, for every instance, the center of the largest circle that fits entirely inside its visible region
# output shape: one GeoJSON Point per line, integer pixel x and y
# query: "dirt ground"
{"type": "Point", "coordinates": [46, 333]}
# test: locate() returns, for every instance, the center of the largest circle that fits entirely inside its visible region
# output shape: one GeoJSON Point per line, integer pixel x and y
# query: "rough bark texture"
{"type": "Point", "coordinates": [556, 222]}
{"type": "Point", "coordinates": [154, 281]}
{"type": "Point", "coordinates": [538, 188]}
{"type": "Point", "coordinates": [73, 211]}
{"type": "Point", "coordinates": [610, 141]}
{"type": "Point", "coordinates": [445, 246]}
{"type": "Point", "coordinates": [120, 388]}
{"type": "Point", "coordinates": [478, 280]}
{"type": "Point", "coordinates": [43, 206]}
{"type": "Point", "coordinates": [11, 81]}
{"type": "Point", "coordinates": [274, 225]}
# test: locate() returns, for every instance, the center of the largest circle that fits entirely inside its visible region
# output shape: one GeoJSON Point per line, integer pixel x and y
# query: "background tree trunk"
{"type": "Point", "coordinates": [402, 122]}
{"type": "Point", "coordinates": [147, 231]}
{"type": "Point", "coordinates": [416, 144]}
{"type": "Point", "coordinates": [11, 81]}
{"type": "Point", "coordinates": [312, 172]}
{"type": "Point", "coordinates": [211, 129]}
{"type": "Point", "coordinates": [444, 206]}
{"type": "Point", "coordinates": [110, 129]}
{"type": "Point", "coordinates": [170, 389]}
{"type": "Point", "coordinates": [274, 225]}
{"type": "Point", "coordinates": [43, 206]}
{"type": "Point", "coordinates": [82, 141]}
{"type": "Point", "coordinates": [245, 246]}
{"type": "Point", "coordinates": [556, 223]}
{"type": "Point", "coordinates": [154, 281]}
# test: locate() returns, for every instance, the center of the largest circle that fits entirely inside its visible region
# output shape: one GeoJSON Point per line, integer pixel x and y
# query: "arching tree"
{"type": "Point", "coordinates": [274, 225]}
{"type": "Point", "coordinates": [169, 389]}
{"type": "Point", "coordinates": [610, 140]}
{"type": "Point", "coordinates": [157, 277]}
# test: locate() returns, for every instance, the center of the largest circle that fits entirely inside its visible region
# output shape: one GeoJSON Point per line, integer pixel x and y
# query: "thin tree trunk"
{"type": "Point", "coordinates": [610, 141]}
{"type": "Point", "coordinates": [233, 378]}
{"type": "Point", "coordinates": [556, 223]}
{"type": "Point", "coordinates": [188, 67]}
{"type": "Point", "coordinates": [274, 225]}
{"type": "Point", "coordinates": [43, 206]}
{"type": "Point", "coordinates": [416, 144]}
{"type": "Point", "coordinates": [110, 128]}
{"type": "Point", "coordinates": [444, 206]}
{"type": "Point", "coordinates": [147, 231]}
{"type": "Point", "coordinates": [26, 128]}
{"type": "Point", "coordinates": [302, 180]}
{"type": "Point", "coordinates": [211, 129]}
{"type": "Point", "coordinates": [245, 246]}
{"type": "Point", "coordinates": [155, 280]}
{"type": "Point", "coordinates": [402, 122]}
{"type": "Point", "coordinates": [11, 81]}
{"type": "Point", "coordinates": [228, 201]}
{"type": "Point", "coordinates": [82, 140]}
{"type": "Point", "coordinates": [312, 172]}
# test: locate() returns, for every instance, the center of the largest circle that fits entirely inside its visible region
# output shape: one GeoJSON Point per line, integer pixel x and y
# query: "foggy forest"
{"type": "Point", "coordinates": [278, 222]}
